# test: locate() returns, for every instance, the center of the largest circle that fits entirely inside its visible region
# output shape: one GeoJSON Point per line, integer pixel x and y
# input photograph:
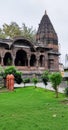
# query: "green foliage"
{"type": "Point", "coordinates": [18, 77]}
{"type": "Point", "coordinates": [66, 91]}
{"type": "Point", "coordinates": [9, 61]}
{"type": "Point", "coordinates": [55, 79]}
{"type": "Point", "coordinates": [45, 77]}
{"type": "Point", "coordinates": [35, 81]}
{"type": "Point", "coordinates": [28, 33]}
{"type": "Point", "coordinates": [13, 30]}
{"type": "Point", "coordinates": [26, 80]}
{"type": "Point", "coordinates": [1, 71]}
{"type": "Point", "coordinates": [12, 70]}
{"type": "Point", "coordinates": [2, 34]}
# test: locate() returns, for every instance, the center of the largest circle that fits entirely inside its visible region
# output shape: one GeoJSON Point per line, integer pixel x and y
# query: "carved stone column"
{"type": "Point", "coordinates": [2, 63]}
{"type": "Point", "coordinates": [37, 62]}
{"type": "Point", "coordinates": [2, 56]}
{"type": "Point", "coordinates": [29, 62]}
{"type": "Point", "coordinates": [28, 56]}
{"type": "Point", "coordinates": [13, 57]}
{"type": "Point", "coordinates": [46, 61]}
{"type": "Point", "coordinates": [13, 60]}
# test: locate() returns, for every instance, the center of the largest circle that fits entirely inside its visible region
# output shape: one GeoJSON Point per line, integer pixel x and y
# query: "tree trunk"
{"type": "Point", "coordinates": [35, 85]}
{"type": "Point", "coordinates": [56, 93]}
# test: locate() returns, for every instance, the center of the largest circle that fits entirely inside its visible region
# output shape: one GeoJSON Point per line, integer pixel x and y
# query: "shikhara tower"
{"type": "Point", "coordinates": [47, 37]}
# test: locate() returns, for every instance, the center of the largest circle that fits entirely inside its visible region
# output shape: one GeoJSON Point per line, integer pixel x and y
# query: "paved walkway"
{"type": "Point", "coordinates": [41, 85]}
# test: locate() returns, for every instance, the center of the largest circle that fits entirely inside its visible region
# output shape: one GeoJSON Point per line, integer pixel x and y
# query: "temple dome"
{"type": "Point", "coordinates": [46, 32]}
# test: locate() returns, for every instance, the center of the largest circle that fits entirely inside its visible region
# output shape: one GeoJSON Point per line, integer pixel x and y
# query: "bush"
{"type": "Point", "coordinates": [35, 81]}
{"type": "Point", "coordinates": [55, 79]}
{"type": "Point", "coordinates": [66, 91]}
{"type": "Point", "coordinates": [12, 70]}
{"type": "Point", "coordinates": [18, 77]}
{"type": "Point", "coordinates": [45, 77]}
{"type": "Point", "coordinates": [26, 80]}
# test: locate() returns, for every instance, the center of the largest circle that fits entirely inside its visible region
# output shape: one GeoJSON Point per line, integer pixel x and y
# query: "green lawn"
{"type": "Point", "coordinates": [32, 109]}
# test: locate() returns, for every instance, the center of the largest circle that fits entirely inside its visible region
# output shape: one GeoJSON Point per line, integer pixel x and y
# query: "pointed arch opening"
{"type": "Point", "coordinates": [7, 59]}
{"type": "Point", "coordinates": [21, 58]}
{"type": "Point", "coordinates": [33, 60]}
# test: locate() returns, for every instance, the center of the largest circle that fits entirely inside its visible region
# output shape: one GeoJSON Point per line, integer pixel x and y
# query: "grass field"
{"type": "Point", "coordinates": [32, 109]}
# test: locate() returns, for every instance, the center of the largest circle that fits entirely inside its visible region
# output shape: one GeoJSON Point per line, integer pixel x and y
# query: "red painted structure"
{"type": "Point", "coordinates": [10, 82]}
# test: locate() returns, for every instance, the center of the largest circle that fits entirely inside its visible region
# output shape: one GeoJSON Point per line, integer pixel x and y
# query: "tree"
{"type": "Point", "coordinates": [45, 77]}
{"type": "Point", "coordinates": [55, 79]}
{"type": "Point", "coordinates": [2, 35]}
{"type": "Point", "coordinates": [35, 81]}
{"type": "Point", "coordinates": [28, 33]}
{"type": "Point", "coordinates": [13, 30]}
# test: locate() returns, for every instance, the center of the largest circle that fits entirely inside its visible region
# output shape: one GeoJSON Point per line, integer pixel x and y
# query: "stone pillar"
{"type": "Point", "coordinates": [2, 63]}
{"type": "Point", "coordinates": [28, 56]}
{"type": "Point", "coordinates": [29, 62]}
{"type": "Point", "coordinates": [13, 60]}
{"type": "Point", "coordinates": [46, 61]}
{"type": "Point", "coordinates": [13, 56]}
{"type": "Point", "coordinates": [37, 62]}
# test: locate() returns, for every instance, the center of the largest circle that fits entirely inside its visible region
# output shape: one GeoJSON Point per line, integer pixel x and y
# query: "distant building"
{"type": "Point", "coordinates": [61, 67]}
{"type": "Point", "coordinates": [66, 61]}
{"type": "Point", "coordinates": [30, 57]}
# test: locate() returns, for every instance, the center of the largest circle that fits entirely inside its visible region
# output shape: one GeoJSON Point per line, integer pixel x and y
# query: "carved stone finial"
{"type": "Point", "coordinates": [45, 12]}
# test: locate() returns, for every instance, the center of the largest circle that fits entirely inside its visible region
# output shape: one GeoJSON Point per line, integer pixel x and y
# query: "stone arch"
{"type": "Point", "coordinates": [22, 42]}
{"type": "Point", "coordinates": [33, 60]}
{"type": "Point", "coordinates": [41, 60]}
{"type": "Point", "coordinates": [7, 59]}
{"type": "Point", "coordinates": [21, 58]}
{"type": "Point", "coordinates": [4, 45]}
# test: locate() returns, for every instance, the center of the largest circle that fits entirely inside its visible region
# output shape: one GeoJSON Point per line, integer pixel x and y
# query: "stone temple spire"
{"type": "Point", "coordinates": [46, 32]}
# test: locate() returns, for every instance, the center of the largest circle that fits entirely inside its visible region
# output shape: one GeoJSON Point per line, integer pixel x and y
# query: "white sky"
{"type": "Point", "coordinates": [30, 12]}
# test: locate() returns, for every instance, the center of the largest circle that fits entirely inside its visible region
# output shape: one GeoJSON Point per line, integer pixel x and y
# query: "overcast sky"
{"type": "Point", "coordinates": [30, 12]}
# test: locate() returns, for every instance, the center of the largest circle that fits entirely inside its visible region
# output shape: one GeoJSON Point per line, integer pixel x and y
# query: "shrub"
{"type": "Point", "coordinates": [66, 91]}
{"type": "Point", "coordinates": [55, 79]}
{"type": "Point", "coordinates": [35, 81]}
{"type": "Point", "coordinates": [26, 80]}
{"type": "Point", "coordinates": [45, 77]}
{"type": "Point", "coordinates": [18, 77]}
{"type": "Point", "coordinates": [9, 70]}
{"type": "Point", "coordinates": [12, 70]}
